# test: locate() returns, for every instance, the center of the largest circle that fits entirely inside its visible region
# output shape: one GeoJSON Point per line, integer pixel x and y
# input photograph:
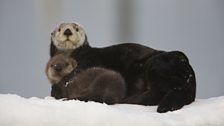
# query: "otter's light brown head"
{"type": "Point", "coordinates": [68, 36]}
{"type": "Point", "coordinates": [58, 67]}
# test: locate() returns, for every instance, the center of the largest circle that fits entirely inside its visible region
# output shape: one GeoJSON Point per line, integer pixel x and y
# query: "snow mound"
{"type": "Point", "coordinates": [19, 111]}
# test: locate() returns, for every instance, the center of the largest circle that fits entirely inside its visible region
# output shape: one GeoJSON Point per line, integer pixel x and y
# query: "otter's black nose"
{"type": "Point", "coordinates": [67, 32]}
{"type": "Point", "coordinates": [57, 67]}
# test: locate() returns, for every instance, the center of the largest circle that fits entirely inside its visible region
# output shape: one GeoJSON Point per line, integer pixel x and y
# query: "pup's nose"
{"type": "Point", "coordinates": [57, 67]}
{"type": "Point", "coordinates": [67, 32]}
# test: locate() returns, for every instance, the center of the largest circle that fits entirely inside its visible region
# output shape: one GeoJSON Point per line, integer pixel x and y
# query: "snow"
{"type": "Point", "coordinates": [18, 111]}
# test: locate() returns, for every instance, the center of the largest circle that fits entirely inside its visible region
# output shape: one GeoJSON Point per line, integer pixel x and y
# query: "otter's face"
{"type": "Point", "coordinates": [68, 36]}
{"type": "Point", "coordinates": [58, 67]}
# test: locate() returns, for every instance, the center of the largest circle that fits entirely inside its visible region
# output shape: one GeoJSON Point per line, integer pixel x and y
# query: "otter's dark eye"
{"type": "Point", "coordinates": [77, 29]}
{"type": "Point", "coordinates": [59, 29]}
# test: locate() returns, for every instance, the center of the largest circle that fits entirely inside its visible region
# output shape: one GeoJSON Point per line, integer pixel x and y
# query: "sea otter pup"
{"type": "Point", "coordinates": [94, 84]}
{"type": "Point", "coordinates": [153, 77]}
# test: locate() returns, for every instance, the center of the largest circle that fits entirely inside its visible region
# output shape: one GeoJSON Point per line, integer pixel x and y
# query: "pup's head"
{"type": "Point", "coordinates": [68, 36]}
{"type": "Point", "coordinates": [58, 67]}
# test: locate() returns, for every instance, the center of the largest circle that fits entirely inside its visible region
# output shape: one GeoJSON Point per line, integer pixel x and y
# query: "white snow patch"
{"type": "Point", "coordinates": [19, 111]}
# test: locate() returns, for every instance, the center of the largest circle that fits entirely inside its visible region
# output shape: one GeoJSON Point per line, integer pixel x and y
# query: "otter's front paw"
{"type": "Point", "coordinates": [172, 101]}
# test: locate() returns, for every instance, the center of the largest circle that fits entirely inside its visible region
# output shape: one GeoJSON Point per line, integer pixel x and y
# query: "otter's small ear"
{"type": "Point", "coordinates": [86, 41]}
{"type": "Point", "coordinates": [53, 33]}
{"type": "Point", "coordinates": [53, 49]}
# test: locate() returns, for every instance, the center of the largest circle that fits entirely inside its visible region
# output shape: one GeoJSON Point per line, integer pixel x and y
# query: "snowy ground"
{"type": "Point", "coordinates": [19, 111]}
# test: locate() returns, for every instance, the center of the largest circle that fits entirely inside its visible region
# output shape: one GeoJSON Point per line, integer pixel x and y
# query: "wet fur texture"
{"type": "Point", "coordinates": [94, 84]}
{"type": "Point", "coordinates": [152, 77]}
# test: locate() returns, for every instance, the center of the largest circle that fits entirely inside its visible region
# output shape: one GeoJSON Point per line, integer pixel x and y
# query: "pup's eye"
{"type": "Point", "coordinates": [59, 29]}
{"type": "Point", "coordinates": [52, 65]}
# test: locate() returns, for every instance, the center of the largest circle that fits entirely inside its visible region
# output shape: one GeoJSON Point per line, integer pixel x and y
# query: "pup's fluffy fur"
{"type": "Point", "coordinates": [94, 84]}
